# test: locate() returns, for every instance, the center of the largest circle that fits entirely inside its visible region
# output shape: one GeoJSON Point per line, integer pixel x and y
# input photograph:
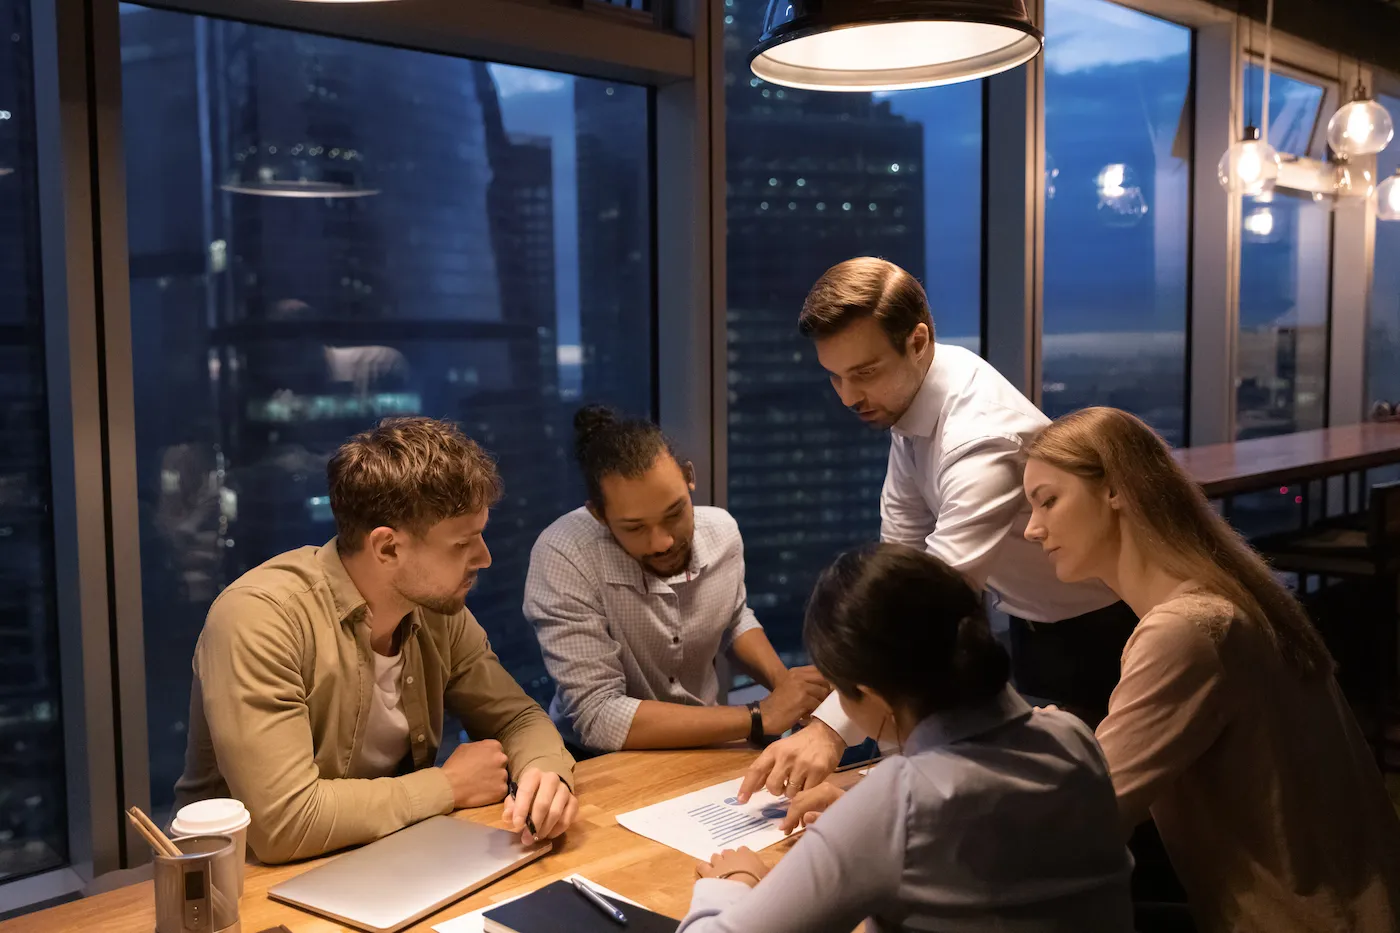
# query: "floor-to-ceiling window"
{"type": "Point", "coordinates": [1383, 330]}
{"type": "Point", "coordinates": [815, 178]}
{"type": "Point", "coordinates": [325, 232]}
{"type": "Point", "coordinates": [1285, 297]}
{"type": "Point", "coordinates": [1118, 123]}
{"type": "Point", "coordinates": [33, 795]}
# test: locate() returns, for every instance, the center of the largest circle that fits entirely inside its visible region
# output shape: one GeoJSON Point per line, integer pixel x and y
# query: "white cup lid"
{"type": "Point", "coordinates": [222, 815]}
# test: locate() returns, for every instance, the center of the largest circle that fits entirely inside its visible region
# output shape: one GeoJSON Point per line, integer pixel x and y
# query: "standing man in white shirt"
{"type": "Point", "coordinates": [953, 488]}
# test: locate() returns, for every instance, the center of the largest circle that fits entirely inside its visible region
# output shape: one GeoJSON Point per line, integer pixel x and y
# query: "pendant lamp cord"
{"type": "Point", "coordinates": [1268, 67]}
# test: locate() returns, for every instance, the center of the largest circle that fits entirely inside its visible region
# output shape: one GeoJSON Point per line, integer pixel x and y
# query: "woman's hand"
{"type": "Point", "coordinates": [741, 865]}
{"type": "Point", "coordinates": [804, 809]}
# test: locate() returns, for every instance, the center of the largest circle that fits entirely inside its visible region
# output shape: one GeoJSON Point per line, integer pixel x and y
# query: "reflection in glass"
{"type": "Point", "coordinates": [33, 793]}
{"type": "Point", "coordinates": [815, 178]}
{"type": "Point", "coordinates": [1295, 109]}
{"type": "Point", "coordinates": [1383, 328]}
{"type": "Point", "coordinates": [1117, 123]}
{"type": "Point", "coordinates": [501, 275]}
{"type": "Point", "coordinates": [1281, 368]}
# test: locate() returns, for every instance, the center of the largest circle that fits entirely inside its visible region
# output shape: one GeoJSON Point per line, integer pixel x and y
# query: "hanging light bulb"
{"type": "Point", "coordinates": [1249, 167]}
{"type": "Point", "coordinates": [1388, 198]}
{"type": "Point", "coordinates": [856, 45]}
{"type": "Point", "coordinates": [1362, 127]}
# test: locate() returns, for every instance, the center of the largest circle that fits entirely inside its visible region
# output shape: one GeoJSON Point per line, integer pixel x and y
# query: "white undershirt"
{"type": "Point", "coordinates": [386, 727]}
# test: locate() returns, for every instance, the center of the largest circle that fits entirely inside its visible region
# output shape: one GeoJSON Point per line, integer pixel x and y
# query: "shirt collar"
{"type": "Point", "coordinates": [921, 418]}
{"type": "Point", "coordinates": [956, 725]}
{"type": "Point", "coordinates": [350, 605]}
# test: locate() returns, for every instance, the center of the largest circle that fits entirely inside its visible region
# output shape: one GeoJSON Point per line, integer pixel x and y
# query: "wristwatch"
{"type": "Point", "coordinates": [756, 737]}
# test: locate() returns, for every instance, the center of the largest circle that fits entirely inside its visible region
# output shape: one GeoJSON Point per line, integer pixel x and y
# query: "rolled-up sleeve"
{"type": "Point", "coordinates": [742, 618]}
{"type": "Point", "coordinates": [564, 606]}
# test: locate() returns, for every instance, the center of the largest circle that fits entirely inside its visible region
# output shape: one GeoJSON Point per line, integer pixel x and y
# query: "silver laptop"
{"type": "Point", "coordinates": [400, 879]}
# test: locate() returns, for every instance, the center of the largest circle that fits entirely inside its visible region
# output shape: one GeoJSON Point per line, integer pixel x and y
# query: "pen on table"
{"type": "Point", "coordinates": [529, 823]}
{"type": "Point", "coordinates": [599, 901]}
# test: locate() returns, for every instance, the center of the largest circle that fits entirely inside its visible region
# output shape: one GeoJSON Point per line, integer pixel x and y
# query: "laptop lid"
{"type": "Point", "coordinates": [400, 879]}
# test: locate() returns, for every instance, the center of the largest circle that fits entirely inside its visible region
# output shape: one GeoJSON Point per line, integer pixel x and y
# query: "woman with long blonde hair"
{"type": "Point", "coordinates": [1227, 725]}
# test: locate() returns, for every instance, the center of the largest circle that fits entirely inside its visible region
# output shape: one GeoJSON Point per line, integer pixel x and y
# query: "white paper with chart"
{"type": "Point", "coordinates": [710, 820]}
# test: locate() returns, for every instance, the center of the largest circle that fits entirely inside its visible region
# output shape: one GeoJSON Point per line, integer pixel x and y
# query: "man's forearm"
{"type": "Point", "coordinates": [675, 725]}
{"type": "Point", "coordinates": [755, 653]}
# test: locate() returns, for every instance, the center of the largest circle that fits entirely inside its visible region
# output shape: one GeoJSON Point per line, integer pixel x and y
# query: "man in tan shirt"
{"type": "Point", "coordinates": [321, 677]}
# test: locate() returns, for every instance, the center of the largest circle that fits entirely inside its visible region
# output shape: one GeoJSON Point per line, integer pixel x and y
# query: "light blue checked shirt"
{"type": "Point", "coordinates": [613, 634]}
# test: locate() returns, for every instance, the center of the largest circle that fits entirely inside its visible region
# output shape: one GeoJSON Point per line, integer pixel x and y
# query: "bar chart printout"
{"type": "Point", "coordinates": [709, 820]}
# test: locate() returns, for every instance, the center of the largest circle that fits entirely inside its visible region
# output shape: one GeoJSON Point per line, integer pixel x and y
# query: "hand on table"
{"type": "Point", "coordinates": [794, 697]}
{"type": "Point", "coordinates": [795, 763]}
{"type": "Point", "coordinates": [477, 773]}
{"type": "Point", "coordinates": [741, 865]}
{"type": "Point", "coordinates": [547, 800]}
{"type": "Point", "coordinates": [804, 809]}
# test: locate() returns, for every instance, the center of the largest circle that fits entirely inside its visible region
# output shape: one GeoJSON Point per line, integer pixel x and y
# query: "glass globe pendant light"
{"type": "Point", "coordinates": [1362, 127]}
{"type": "Point", "coordinates": [1250, 167]}
{"type": "Point", "coordinates": [1388, 198]}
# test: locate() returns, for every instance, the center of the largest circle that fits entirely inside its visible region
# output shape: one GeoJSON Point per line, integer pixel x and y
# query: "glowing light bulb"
{"type": "Point", "coordinates": [1362, 127]}
{"type": "Point", "coordinates": [1111, 181]}
{"type": "Point", "coordinates": [1388, 198]}
{"type": "Point", "coordinates": [1249, 167]}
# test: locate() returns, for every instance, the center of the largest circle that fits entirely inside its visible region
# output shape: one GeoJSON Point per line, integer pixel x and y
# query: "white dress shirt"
{"type": "Point", "coordinates": [614, 635]}
{"type": "Point", "coordinates": [1000, 819]}
{"type": "Point", "coordinates": [954, 489]}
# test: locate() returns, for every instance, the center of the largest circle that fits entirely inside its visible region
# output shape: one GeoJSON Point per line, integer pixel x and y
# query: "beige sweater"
{"type": "Point", "coordinates": [1267, 797]}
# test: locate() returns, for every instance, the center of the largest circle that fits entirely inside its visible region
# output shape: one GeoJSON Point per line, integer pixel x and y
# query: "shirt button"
{"type": "Point", "coordinates": [675, 639]}
{"type": "Point", "coordinates": [420, 736]}
{"type": "Point", "coordinates": [673, 680]}
{"type": "Point", "coordinates": [409, 680]}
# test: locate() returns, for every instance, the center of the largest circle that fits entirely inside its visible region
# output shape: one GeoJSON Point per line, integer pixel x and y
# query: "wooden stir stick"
{"type": "Point", "coordinates": [162, 845]}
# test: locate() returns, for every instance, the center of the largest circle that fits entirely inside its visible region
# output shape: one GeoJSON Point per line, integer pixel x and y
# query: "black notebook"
{"type": "Point", "coordinates": [559, 906]}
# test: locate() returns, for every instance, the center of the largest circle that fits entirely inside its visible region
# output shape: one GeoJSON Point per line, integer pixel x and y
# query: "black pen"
{"type": "Point", "coordinates": [511, 788]}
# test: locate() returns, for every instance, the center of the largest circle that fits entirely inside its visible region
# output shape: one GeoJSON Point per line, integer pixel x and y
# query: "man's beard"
{"type": "Point", "coordinates": [676, 561]}
{"type": "Point", "coordinates": [448, 605]}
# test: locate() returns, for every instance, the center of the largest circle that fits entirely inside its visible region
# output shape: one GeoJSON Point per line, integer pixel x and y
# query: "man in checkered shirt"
{"type": "Point", "coordinates": [633, 598]}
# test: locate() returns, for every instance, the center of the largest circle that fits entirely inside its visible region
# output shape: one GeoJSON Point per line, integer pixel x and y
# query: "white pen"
{"type": "Point", "coordinates": [599, 901]}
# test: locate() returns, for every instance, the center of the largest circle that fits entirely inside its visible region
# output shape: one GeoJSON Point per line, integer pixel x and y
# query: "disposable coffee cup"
{"type": "Point", "coordinates": [222, 817]}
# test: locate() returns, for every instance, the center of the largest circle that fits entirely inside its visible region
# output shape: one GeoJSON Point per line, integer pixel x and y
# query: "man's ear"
{"type": "Point", "coordinates": [688, 471]}
{"type": "Point", "coordinates": [596, 512]}
{"type": "Point", "coordinates": [383, 542]}
{"type": "Point", "coordinates": [1114, 500]}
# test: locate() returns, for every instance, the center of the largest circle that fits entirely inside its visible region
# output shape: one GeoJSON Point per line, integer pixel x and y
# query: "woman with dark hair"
{"type": "Point", "coordinates": [996, 816]}
{"type": "Point", "coordinates": [1226, 726]}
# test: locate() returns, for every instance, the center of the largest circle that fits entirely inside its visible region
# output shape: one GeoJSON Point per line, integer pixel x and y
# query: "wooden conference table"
{"type": "Point", "coordinates": [654, 875]}
{"type": "Point", "coordinates": [1248, 466]}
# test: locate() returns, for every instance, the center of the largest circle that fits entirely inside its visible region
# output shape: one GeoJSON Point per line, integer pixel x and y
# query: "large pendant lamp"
{"type": "Point", "coordinates": [885, 45]}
